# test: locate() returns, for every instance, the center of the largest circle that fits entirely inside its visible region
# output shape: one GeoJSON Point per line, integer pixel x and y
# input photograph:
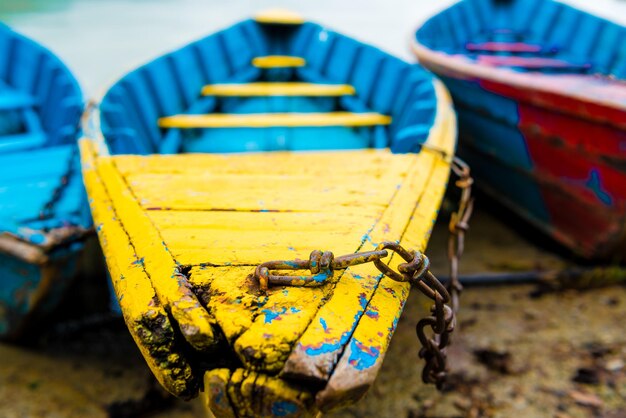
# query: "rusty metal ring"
{"type": "Point", "coordinates": [262, 274]}
{"type": "Point", "coordinates": [385, 269]}
{"type": "Point", "coordinates": [417, 268]}
{"type": "Point", "coordinates": [326, 261]}
{"type": "Point", "coordinates": [314, 261]}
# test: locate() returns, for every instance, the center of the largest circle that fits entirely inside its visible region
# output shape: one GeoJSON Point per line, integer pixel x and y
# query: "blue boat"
{"type": "Point", "coordinates": [540, 92]}
{"type": "Point", "coordinates": [44, 216]}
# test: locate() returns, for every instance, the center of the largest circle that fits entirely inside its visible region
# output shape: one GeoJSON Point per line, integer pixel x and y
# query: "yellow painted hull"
{"type": "Point", "coordinates": [182, 234]}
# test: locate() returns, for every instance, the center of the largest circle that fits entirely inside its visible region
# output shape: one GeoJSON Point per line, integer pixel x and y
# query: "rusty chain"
{"type": "Point", "coordinates": [415, 270]}
{"type": "Point", "coordinates": [57, 193]}
{"type": "Point", "coordinates": [458, 226]}
{"type": "Point", "coordinates": [433, 349]}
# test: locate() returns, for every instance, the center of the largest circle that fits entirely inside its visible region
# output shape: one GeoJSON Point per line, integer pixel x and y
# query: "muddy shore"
{"type": "Point", "coordinates": [521, 351]}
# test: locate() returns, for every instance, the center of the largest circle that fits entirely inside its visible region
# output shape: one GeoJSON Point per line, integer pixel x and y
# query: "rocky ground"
{"type": "Point", "coordinates": [523, 350]}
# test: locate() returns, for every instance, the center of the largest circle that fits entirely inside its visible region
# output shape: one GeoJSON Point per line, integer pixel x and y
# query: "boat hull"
{"type": "Point", "coordinates": [30, 291]}
{"type": "Point", "coordinates": [44, 215]}
{"type": "Point", "coordinates": [545, 137]}
{"type": "Point", "coordinates": [531, 159]}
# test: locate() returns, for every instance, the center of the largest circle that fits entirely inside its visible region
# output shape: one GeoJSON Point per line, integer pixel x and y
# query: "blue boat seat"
{"type": "Point", "coordinates": [20, 127]}
{"type": "Point", "coordinates": [13, 100]}
{"type": "Point", "coordinates": [29, 180]}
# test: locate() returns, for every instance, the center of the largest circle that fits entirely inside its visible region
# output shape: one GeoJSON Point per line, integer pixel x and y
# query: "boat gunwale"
{"type": "Point", "coordinates": [457, 68]}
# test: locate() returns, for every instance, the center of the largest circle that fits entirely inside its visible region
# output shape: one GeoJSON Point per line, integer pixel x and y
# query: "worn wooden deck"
{"type": "Point", "coordinates": [182, 234]}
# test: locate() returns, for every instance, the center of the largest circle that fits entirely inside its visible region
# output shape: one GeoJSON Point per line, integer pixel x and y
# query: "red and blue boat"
{"type": "Point", "coordinates": [541, 99]}
{"type": "Point", "coordinates": [44, 215]}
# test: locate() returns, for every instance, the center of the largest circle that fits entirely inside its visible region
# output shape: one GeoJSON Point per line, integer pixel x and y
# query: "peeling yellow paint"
{"type": "Point", "coordinates": [278, 89]}
{"type": "Point", "coordinates": [278, 61]}
{"type": "Point", "coordinates": [146, 319]}
{"type": "Point", "coordinates": [266, 120]}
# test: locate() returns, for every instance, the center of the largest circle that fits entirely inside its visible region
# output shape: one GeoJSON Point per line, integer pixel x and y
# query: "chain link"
{"type": "Point", "coordinates": [47, 209]}
{"type": "Point", "coordinates": [415, 270]}
{"type": "Point", "coordinates": [459, 224]}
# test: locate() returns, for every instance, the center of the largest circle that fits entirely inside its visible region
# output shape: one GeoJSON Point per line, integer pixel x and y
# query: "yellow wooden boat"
{"type": "Point", "coordinates": [268, 140]}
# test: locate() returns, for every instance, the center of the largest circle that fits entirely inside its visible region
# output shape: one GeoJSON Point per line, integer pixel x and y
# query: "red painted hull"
{"type": "Point", "coordinates": [574, 131]}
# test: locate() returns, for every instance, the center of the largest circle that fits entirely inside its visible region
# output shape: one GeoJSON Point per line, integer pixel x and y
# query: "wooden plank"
{"type": "Point", "coordinates": [252, 247]}
{"type": "Point", "coordinates": [256, 221]}
{"type": "Point", "coordinates": [278, 61]}
{"type": "Point", "coordinates": [232, 297]}
{"type": "Point", "coordinates": [269, 120]}
{"type": "Point", "coordinates": [147, 320]}
{"type": "Point", "coordinates": [278, 89]}
{"type": "Point", "coordinates": [352, 163]}
{"type": "Point", "coordinates": [171, 287]}
{"type": "Point", "coordinates": [250, 193]}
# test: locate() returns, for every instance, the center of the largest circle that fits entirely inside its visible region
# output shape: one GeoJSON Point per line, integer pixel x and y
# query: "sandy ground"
{"type": "Point", "coordinates": [520, 352]}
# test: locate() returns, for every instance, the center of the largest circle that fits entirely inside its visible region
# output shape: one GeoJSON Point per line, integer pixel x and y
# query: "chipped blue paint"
{"type": "Point", "coordinates": [284, 408]}
{"type": "Point", "coordinates": [322, 276]}
{"type": "Point", "coordinates": [271, 315]}
{"type": "Point", "coordinates": [595, 185]}
{"type": "Point", "coordinates": [361, 356]}
{"type": "Point", "coordinates": [372, 313]}
{"type": "Point", "coordinates": [327, 347]}
{"type": "Point", "coordinates": [324, 325]}
{"type": "Point", "coordinates": [37, 238]}
{"type": "Point", "coordinates": [363, 300]}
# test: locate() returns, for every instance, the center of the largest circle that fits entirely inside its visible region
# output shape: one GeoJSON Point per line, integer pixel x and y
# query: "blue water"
{"type": "Point", "coordinates": [102, 39]}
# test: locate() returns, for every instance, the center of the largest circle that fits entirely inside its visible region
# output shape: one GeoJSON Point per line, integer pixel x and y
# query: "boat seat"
{"type": "Point", "coordinates": [13, 100]}
{"type": "Point", "coordinates": [22, 142]}
{"type": "Point", "coordinates": [532, 63]}
{"type": "Point", "coordinates": [278, 89]}
{"type": "Point", "coordinates": [278, 61]}
{"type": "Point", "coordinates": [510, 47]}
{"type": "Point", "coordinates": [20, 127]}
{"type": "Point", "coordinates": [279, 17]}
{"type": "Point", "coordinates": [269, 120]}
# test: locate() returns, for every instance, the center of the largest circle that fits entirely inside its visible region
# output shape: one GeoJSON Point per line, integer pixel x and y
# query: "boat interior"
{"type": "Point", "coordinates": [528, 35]}
{"type": "Point", "coordinates": [270, 84]}
{"type": "Point", "coordinates": [40, 108]}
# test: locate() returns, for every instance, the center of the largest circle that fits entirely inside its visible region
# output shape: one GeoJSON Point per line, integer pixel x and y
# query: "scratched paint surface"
{"type": "Point", "coordinates": [183, 233]}
{"type": "Point", "coordinates": [220, 245]}
{"type": "Point", "coordinates": [43, 211]}
{"type": "Point", "coordinates": [545, 131]}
